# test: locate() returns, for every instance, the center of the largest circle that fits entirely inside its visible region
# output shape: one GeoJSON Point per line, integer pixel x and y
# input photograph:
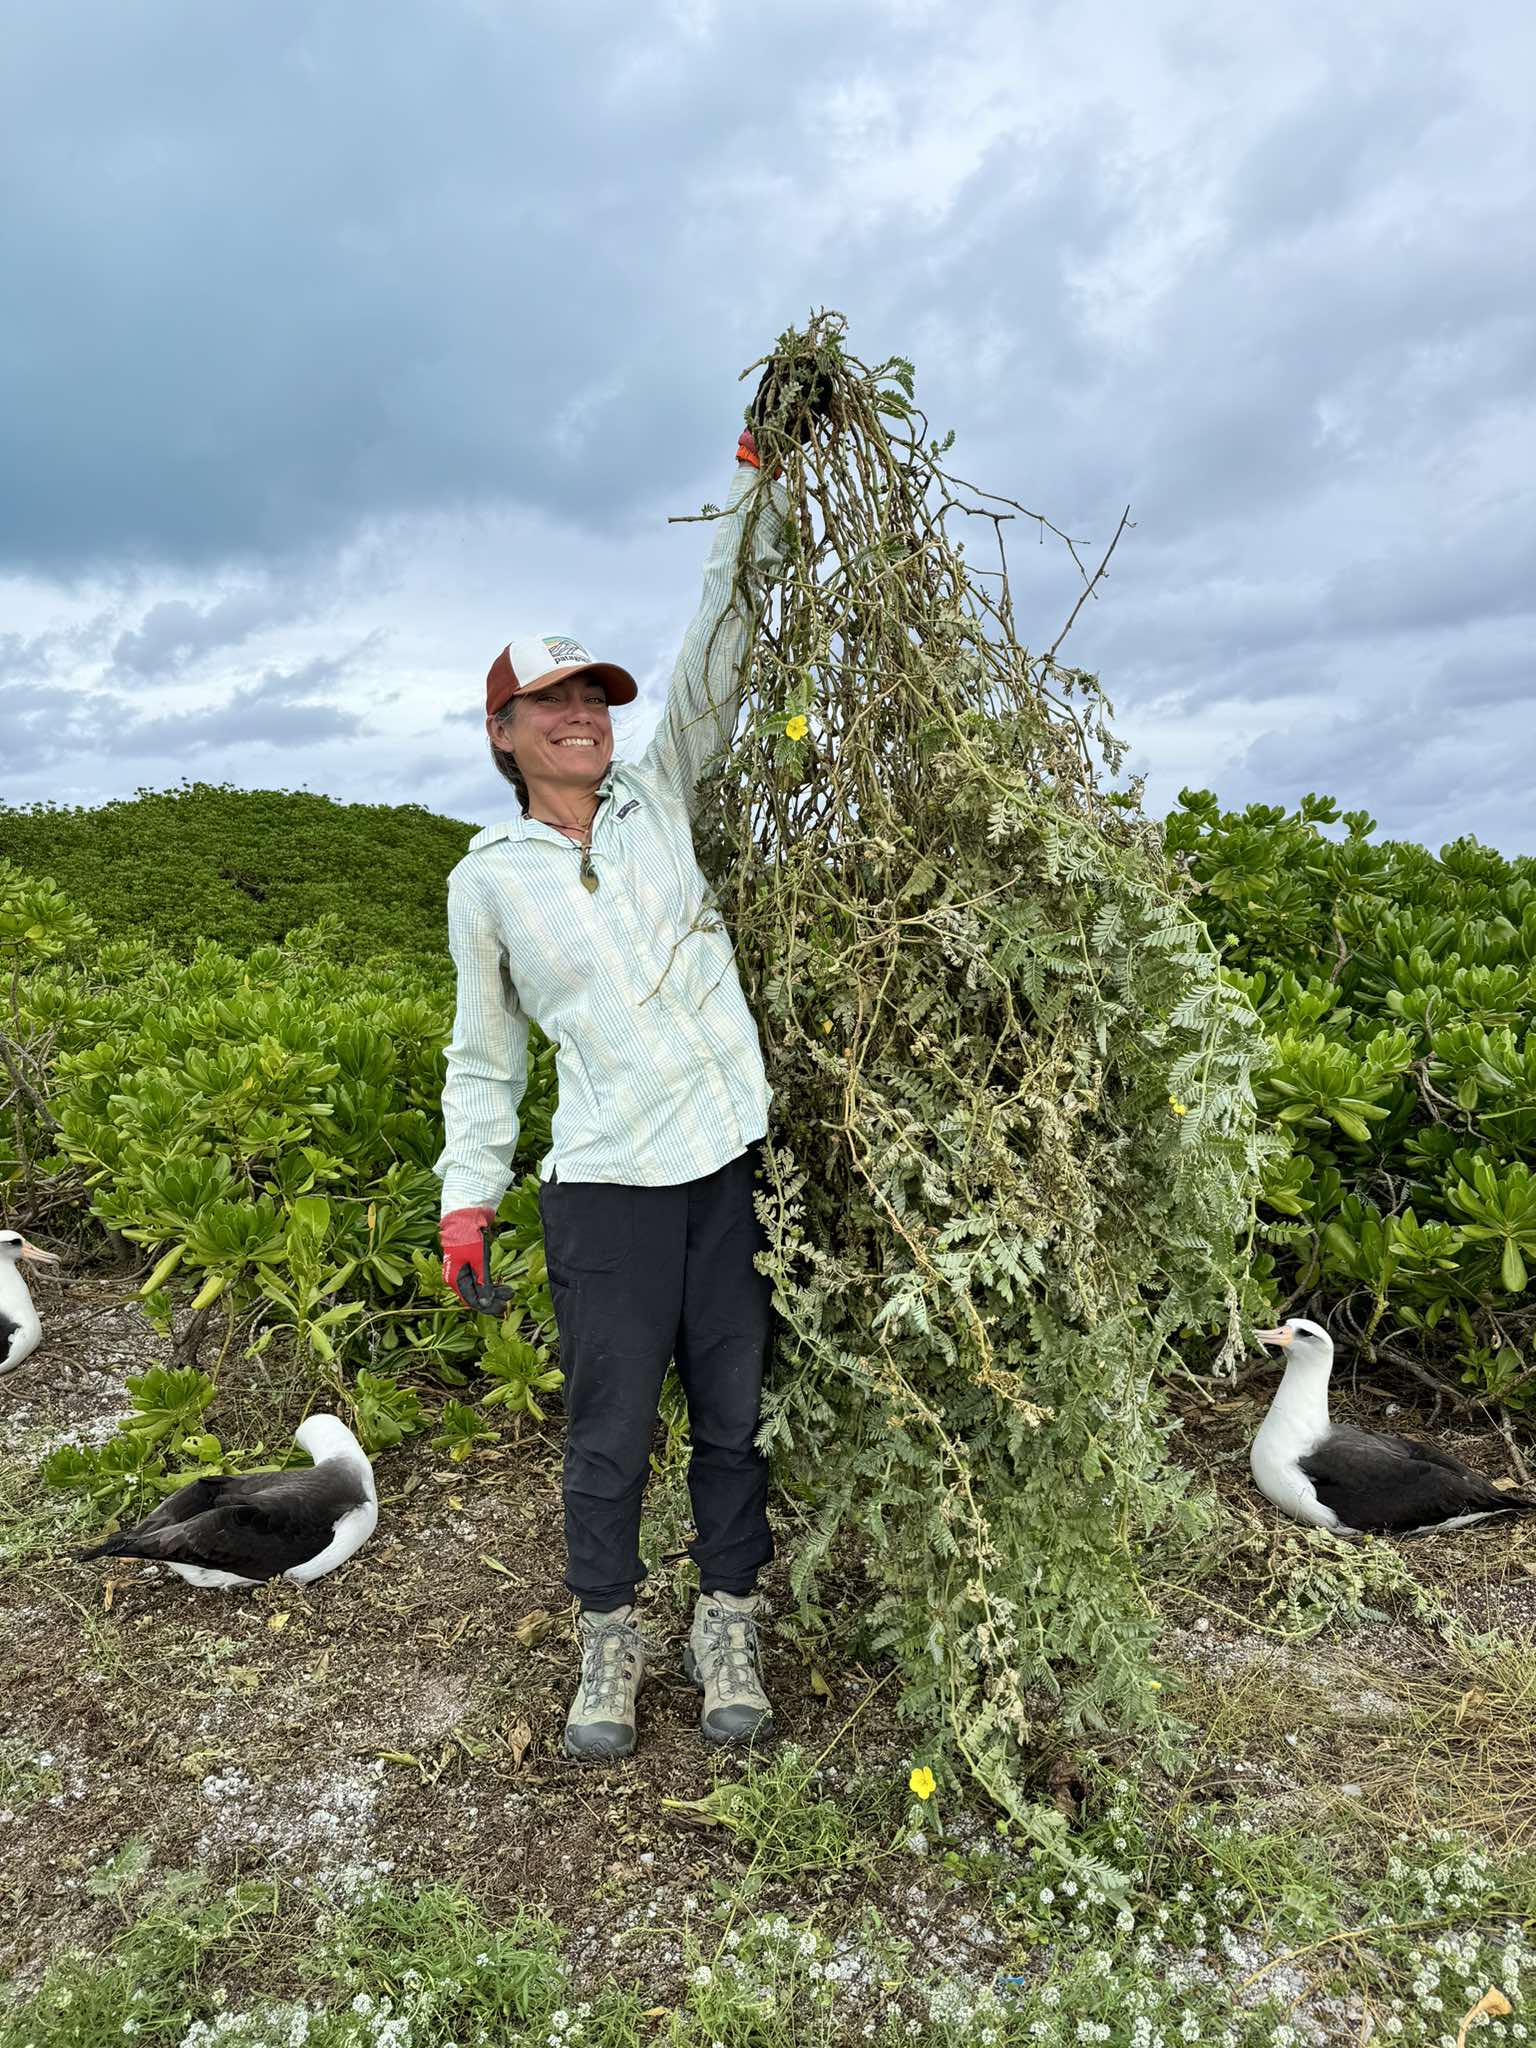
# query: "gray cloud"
{"type": "Point", "coordinates": [26, 655]}
{"type": "Point", "coordinates": [291, 304]}
{"type": "Point", "coordinates": [48, 723]}
{"type": "Point", "coordinates": [276, 711]}
{"type": "Point", "coordinates": [38, 721]}
{"type": "Point", "coordinates": [173, 633]}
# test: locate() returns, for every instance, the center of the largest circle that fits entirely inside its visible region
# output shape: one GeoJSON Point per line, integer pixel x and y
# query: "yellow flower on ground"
{"type": "Point", "coordinates": [922, 1782]}
{"type": "Point", "coordinates": [1178, 1108]}
{"type": "Point", "coordinates": [796, 729]}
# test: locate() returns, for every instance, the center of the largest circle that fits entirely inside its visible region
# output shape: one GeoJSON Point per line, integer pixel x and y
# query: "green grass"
{"type": "Point", "coordinates": [1227, 1926]}
{"type": "Point", "coordinates": [788, 1824]}
{"type": "Point", "coordinates": [23, 1777]}
{"type": "Point", "coordinates": [33, 1524]}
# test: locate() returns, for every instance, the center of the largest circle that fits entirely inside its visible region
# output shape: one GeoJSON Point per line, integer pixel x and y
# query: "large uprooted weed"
{"type": "Point", "coordinates": [1014, 1142]}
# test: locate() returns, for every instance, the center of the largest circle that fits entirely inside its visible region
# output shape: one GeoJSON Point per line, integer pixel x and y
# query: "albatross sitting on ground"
{"type": "Point", "coordinates": [253, 1526]}
{"type": "Point", "coordinates": [1356, 1482]}
{"type": "Point", "coordinates": [20, 1330]}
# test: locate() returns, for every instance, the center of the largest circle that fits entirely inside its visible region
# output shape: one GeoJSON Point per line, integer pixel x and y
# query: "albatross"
{"type": "Point", "coordinates": [1357, 1482]}
{"type": "Point", "coordinates": [247, 1528]}
{"type": "Point", "coordinates": [20, 1330]}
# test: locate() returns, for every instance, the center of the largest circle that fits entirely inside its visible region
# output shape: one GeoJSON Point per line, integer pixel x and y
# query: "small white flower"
{"type": "Point", "coordinates": [702, 1975]}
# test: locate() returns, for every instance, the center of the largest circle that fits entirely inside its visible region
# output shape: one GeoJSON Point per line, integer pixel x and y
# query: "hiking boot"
{"type": "Point", "coordinates": [601, 1724]}
{"type": "Point", "coordinates": [722, 1658]}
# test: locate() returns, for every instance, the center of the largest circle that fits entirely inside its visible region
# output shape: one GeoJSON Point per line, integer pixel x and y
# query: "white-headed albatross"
{"type": "Point", "coordinates": [20, 1330]}
{"type": "Point", "coordinates": [1355, 1481]}
{"type": "Point", "coordinates": [252, 1526]}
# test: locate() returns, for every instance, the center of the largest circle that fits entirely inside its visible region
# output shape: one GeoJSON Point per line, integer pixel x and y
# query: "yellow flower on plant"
{"type": "Point", "coordinates": [826, 1026]}
{"type": "Point", "coordinates": [1178, 1108]}
{"type": "Point", "coordinates": [797, 728]}
{"type": "Point", "coordinates": [922, 1782]}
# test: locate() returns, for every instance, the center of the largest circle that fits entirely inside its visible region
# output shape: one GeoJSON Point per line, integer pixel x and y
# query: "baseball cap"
{"type": "Point", "coordinates": [533, 661]}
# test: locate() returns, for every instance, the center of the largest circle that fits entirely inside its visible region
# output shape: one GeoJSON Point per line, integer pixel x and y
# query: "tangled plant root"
{"type": "Point", "coordinates": [1014, 1144]}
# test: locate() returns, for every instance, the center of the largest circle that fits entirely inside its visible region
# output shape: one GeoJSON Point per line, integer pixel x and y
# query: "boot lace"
{"type": "Point", "coordinates": [609, 1668]}
{"type": "Point", "coordinates": [731, 1640]}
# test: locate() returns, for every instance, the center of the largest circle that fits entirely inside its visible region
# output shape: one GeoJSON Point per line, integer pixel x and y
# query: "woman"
{"type": "Point", "coordinates": [588, 913]}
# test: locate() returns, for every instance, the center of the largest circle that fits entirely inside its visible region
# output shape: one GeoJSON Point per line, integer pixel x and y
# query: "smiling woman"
{"type": "Point", "coordinates": [555, 750]}
{"type": "Point", "coordinates": [650, 1231]}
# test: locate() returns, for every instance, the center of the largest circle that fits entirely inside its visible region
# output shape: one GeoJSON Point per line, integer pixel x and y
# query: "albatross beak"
{"type": "Point", "coordinates": [1274, 1336]}
{"type": "Point", "coordinates": [30, 1251]}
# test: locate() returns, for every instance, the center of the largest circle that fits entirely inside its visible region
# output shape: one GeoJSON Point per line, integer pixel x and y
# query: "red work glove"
{"type": "Point", "coordinates": [746, 449]}
{"type": "Point", "coordinates": [465, 1235]}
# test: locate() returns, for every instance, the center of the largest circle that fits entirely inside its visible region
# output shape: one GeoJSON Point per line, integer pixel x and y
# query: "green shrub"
{"type": "Point", "coordinates": [265, 1128]}
{"type": "Point", "coordinates": [1397, 990]}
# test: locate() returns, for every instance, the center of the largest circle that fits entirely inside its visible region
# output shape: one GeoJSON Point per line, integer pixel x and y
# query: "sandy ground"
{"type": "Point", "coordinates": [401, 1718]}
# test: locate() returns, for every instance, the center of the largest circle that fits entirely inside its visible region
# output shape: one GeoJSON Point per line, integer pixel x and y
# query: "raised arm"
{"type": "Point", "coordinates": [704, 698]}
{"type": "Point", "coordinates": [487, 1062]}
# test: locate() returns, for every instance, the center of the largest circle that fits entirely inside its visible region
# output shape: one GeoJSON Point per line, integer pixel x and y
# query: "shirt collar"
{"type": "Point", "coordinates": [524, 827]}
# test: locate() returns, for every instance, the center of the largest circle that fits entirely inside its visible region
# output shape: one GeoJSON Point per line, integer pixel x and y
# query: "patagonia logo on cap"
{"type": "Point", "coordinates": [566, 650]}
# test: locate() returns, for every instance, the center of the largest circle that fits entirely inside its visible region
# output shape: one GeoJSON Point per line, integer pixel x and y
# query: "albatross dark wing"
{"type": "Point", "coordinates": [1395, 1483]}
{"type": "Point", "coordinates": [194, 1498]}
{"type": "Point", "coordinates": [257, 1524]}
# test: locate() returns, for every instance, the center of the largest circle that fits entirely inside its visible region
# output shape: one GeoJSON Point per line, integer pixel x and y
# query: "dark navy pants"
{"type": "Point", "coordinates": [639, 1276]}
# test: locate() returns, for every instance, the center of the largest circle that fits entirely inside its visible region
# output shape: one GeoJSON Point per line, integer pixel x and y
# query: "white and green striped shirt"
{"type": "Point", "coordinates": [659, 1065]}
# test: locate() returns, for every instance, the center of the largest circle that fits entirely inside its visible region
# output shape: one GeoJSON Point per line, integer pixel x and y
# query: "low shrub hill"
{"type": "Point", "coordinates": [245, 866]}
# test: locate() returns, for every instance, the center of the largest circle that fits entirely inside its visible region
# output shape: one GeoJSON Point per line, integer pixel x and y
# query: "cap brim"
{"type": "Point", "coordinates": [619, 686]}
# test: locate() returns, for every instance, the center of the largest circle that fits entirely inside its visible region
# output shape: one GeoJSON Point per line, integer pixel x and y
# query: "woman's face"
{"type": "Point", "coordinates": [561, 738]}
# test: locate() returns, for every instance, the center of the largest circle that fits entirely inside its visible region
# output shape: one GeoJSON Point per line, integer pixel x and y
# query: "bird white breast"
{"type": "Point", "coordinates": [1282, 1442]}
{"type": "Point", "coordinates": [17, 1304]}
{"type": "Point", "coordinates": [349, 1534]}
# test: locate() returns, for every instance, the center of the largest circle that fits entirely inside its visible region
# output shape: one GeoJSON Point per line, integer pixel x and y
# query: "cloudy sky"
{"type": "Point", "coordinates": [345, 340]}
